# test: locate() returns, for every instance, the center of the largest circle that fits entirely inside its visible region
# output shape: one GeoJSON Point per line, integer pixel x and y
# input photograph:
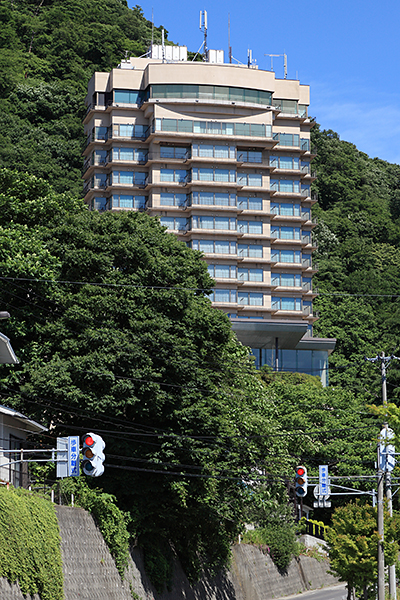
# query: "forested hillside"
{"type": "Point", "coordinates": [48, 51]}
{"type": "Point", "coordinates": [140, 356]}
{"type": "Point", "coordinates": [358, 257]}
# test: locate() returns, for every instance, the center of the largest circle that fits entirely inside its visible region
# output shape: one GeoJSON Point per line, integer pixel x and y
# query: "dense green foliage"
{"type": "Point", "coordinates": [358, 258]}
{"type": "Point", "coordinates": [30, 550]}
{"type": "Point", "coordinates": [114, 331]}
{"type": "Point", "coordinates": [118, 335]}
{"type": "Point", "coordinates": [353, 547]}
{"type": "Point", "coordinates": [111, 521]}
{"type": "Point", "coordinates": [49, 49]}
{"type": "Point", "coordinates": [329, 426]}
{"type": "Point", "coordinates": [278, 540]}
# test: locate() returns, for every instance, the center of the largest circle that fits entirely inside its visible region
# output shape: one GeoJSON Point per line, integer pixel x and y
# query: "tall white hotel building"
{"type": "Point", "coordinates": [221, 153]}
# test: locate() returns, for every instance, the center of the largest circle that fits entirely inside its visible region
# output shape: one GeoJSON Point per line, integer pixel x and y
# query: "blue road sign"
{"type": "Point", "coordinates": [323, 480]}
{"type": "Point", "coordinates": [73, 456]}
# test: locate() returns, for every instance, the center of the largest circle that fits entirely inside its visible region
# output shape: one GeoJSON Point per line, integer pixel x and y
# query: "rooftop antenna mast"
{"type": "Point", "coordinates": [203, 28]}
{"type": "Point", "coordinates": [229, 39]}
{"type": "Point", "coordinates": [163, 44]}
{"type": "Point", "coordinates": [152, 27]}
{"type": "Point", "coordinates": [284, 62]}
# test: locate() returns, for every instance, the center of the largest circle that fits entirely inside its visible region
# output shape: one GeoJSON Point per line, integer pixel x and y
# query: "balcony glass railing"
{"type": "Point", "coordinates": [258, 130]}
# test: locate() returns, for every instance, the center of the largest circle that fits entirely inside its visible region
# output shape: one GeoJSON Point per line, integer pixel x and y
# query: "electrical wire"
{"type": "Point", "coordinates": [176, 287]}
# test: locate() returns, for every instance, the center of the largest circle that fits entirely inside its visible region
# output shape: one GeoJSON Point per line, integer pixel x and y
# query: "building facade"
{"type": "Point", "coordinates": [221, 153]}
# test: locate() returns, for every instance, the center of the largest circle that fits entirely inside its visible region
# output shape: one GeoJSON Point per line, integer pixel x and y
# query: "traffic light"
{"type": "Point", "coordinates": [301, 481]}
{"type": "Point", "coordinates": [93, 455]}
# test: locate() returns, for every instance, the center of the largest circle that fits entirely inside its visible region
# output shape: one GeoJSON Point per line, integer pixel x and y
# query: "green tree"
{"type": "Point", "coordinates": [353, 547]}
{"type": "Point", "coordinates": [323, 425]}
{"type": "Point", "coordinates": [117, 335]}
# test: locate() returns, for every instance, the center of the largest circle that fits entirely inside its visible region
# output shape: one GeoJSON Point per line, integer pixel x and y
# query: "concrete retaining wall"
{"type": "Point", "coordinates": [90, 572]}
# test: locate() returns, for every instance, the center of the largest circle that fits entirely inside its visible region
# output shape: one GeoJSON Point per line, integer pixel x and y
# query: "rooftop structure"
{"type": "Point", "coordinates": [221, 153]}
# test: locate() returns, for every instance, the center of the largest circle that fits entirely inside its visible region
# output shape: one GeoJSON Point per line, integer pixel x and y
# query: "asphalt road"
{"type": "Point", "coordinates": [336, 592]}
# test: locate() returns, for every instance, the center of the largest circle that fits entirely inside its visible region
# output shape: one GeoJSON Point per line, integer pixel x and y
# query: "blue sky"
{"type": "Point", "coordinates": [347, 51]}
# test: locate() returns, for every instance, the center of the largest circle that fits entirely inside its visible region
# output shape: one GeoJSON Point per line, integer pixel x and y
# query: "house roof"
{"type": "Point", "coordinates": [29, 425]}
{"type": "Point", "coordinates": [7, 355]}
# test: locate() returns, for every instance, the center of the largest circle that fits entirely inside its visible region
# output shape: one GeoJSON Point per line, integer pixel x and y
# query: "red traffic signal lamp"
{"type": "Point", "coordinates": [93, 455]}
{"type": "Point", "coordinates": [301, 481]}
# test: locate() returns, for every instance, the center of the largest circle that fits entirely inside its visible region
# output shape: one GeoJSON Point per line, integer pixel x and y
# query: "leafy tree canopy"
{"type": "Point", "coordinates": [353, 547]}
{"type": "Point", "coordinates": [49, 49]}
{"type": "Point", "coordinates": [116, 334]}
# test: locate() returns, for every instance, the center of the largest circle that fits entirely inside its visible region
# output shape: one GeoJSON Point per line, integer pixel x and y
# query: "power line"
{"type": "Point", "coordinates": [177, 287]}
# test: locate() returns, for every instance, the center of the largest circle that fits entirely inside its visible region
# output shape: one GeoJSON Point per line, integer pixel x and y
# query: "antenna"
{"type": "Point", "coordinates": [203, 28]}
{"type": "Point", "coordinates": [284, 62]}
{"type": "Point", "coordinates": [163, 44]}
{"type": "Point", "coordinates": [249, 58]}
{"type": "Point", "coordinates": [152, 27]}
{"type": "Point", "coordinates": [229, 39]}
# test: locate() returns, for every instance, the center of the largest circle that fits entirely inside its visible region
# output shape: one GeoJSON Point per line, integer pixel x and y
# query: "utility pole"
{"type": "Point", "coordinates": [381, 473]}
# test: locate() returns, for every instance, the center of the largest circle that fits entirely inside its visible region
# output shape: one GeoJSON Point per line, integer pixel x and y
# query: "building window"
{"type": "Point", "coordinates": [129, 131]}
{"type": "Point", "coordinates": [179, 152]}
{"type": "Point", "coordinates": [244, 203]}
{"type": "Point", "coordinates": [255, 227]}
{"type": "Point", "coordinates": [214, 247]}
{"type": "Point", "coordinates": [250, 298]}
{"type": "Point", "coordinates": [217, 223]}
{"type": "Point", "coordinates": [286, 106]}
{"type": "Point", "coordinates": [128, 201]}
{"type": "Point", "coordinates": [285, 233]}
{"type": "Point", "coordinates": [214, 174]}
{"type": "Point", "coordinates": [174, 223]}
{"type": "Point", "coordinates": [100, 133]}
{"type": "Point", "coordinates": [174, 175]}
{"type": "Point", "coordinates": [250, 251]}
{"type": "Point", "coordinates": [293, 304]}
{"type": "Point", "coordinates": [129, 154]}
{"type": "Point", "coordinates": [99, 157]}
{"type": "Point", "coordinates": [286, 279]}
{"type": "Point", "coordinates": [99, 180]}
{"type": "Point", "coordinates": [305, 145]}
{"type": "Point", "coordinates": [127, 96]}
{"type": "Point", "coordinates": [249, 156]}
{"type": "Point", "coordinates": [226, 296]}
{"type": "Point", "coordinates": [99, 204]}
{"type": "Point", "coordinates": [213, 127]}
{"type": "Point", "coordinates": [167, 199]}
{"type": "Point", "coordinates": [129, 178]}
{"type": "Point", "coordinates": [285, 186]}
{"type": "Point", "coordinates": [250, 274]}
{"type": "Point", "coordinates": [213, 151]}
{"type": "Point", "coordinates": [287, 256]}
{"type": "Point", "coordinates": [250, 179]}
{"type": "Point", "coordinates": [288, 163]}
{"type": "Point", "coordinates": [287, 210]}
{"type": "Point", "coordinates": [211, 92]}
{"type": "Point", "coordinates": [213, 199]}
{"type": "Point", "coordinates": [287, 139]}
{"type": "Point", "coordinates": [222, 271]}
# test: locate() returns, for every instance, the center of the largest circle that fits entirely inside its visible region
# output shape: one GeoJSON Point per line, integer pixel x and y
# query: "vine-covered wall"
{"type": "Point", "coordinates": [30, 544]}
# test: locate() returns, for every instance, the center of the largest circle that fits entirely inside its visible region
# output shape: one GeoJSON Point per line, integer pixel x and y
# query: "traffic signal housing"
{"type": "Point", "coordinates": [301, 481]}
{"type": "Point", "coordinates": [93, 455]}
